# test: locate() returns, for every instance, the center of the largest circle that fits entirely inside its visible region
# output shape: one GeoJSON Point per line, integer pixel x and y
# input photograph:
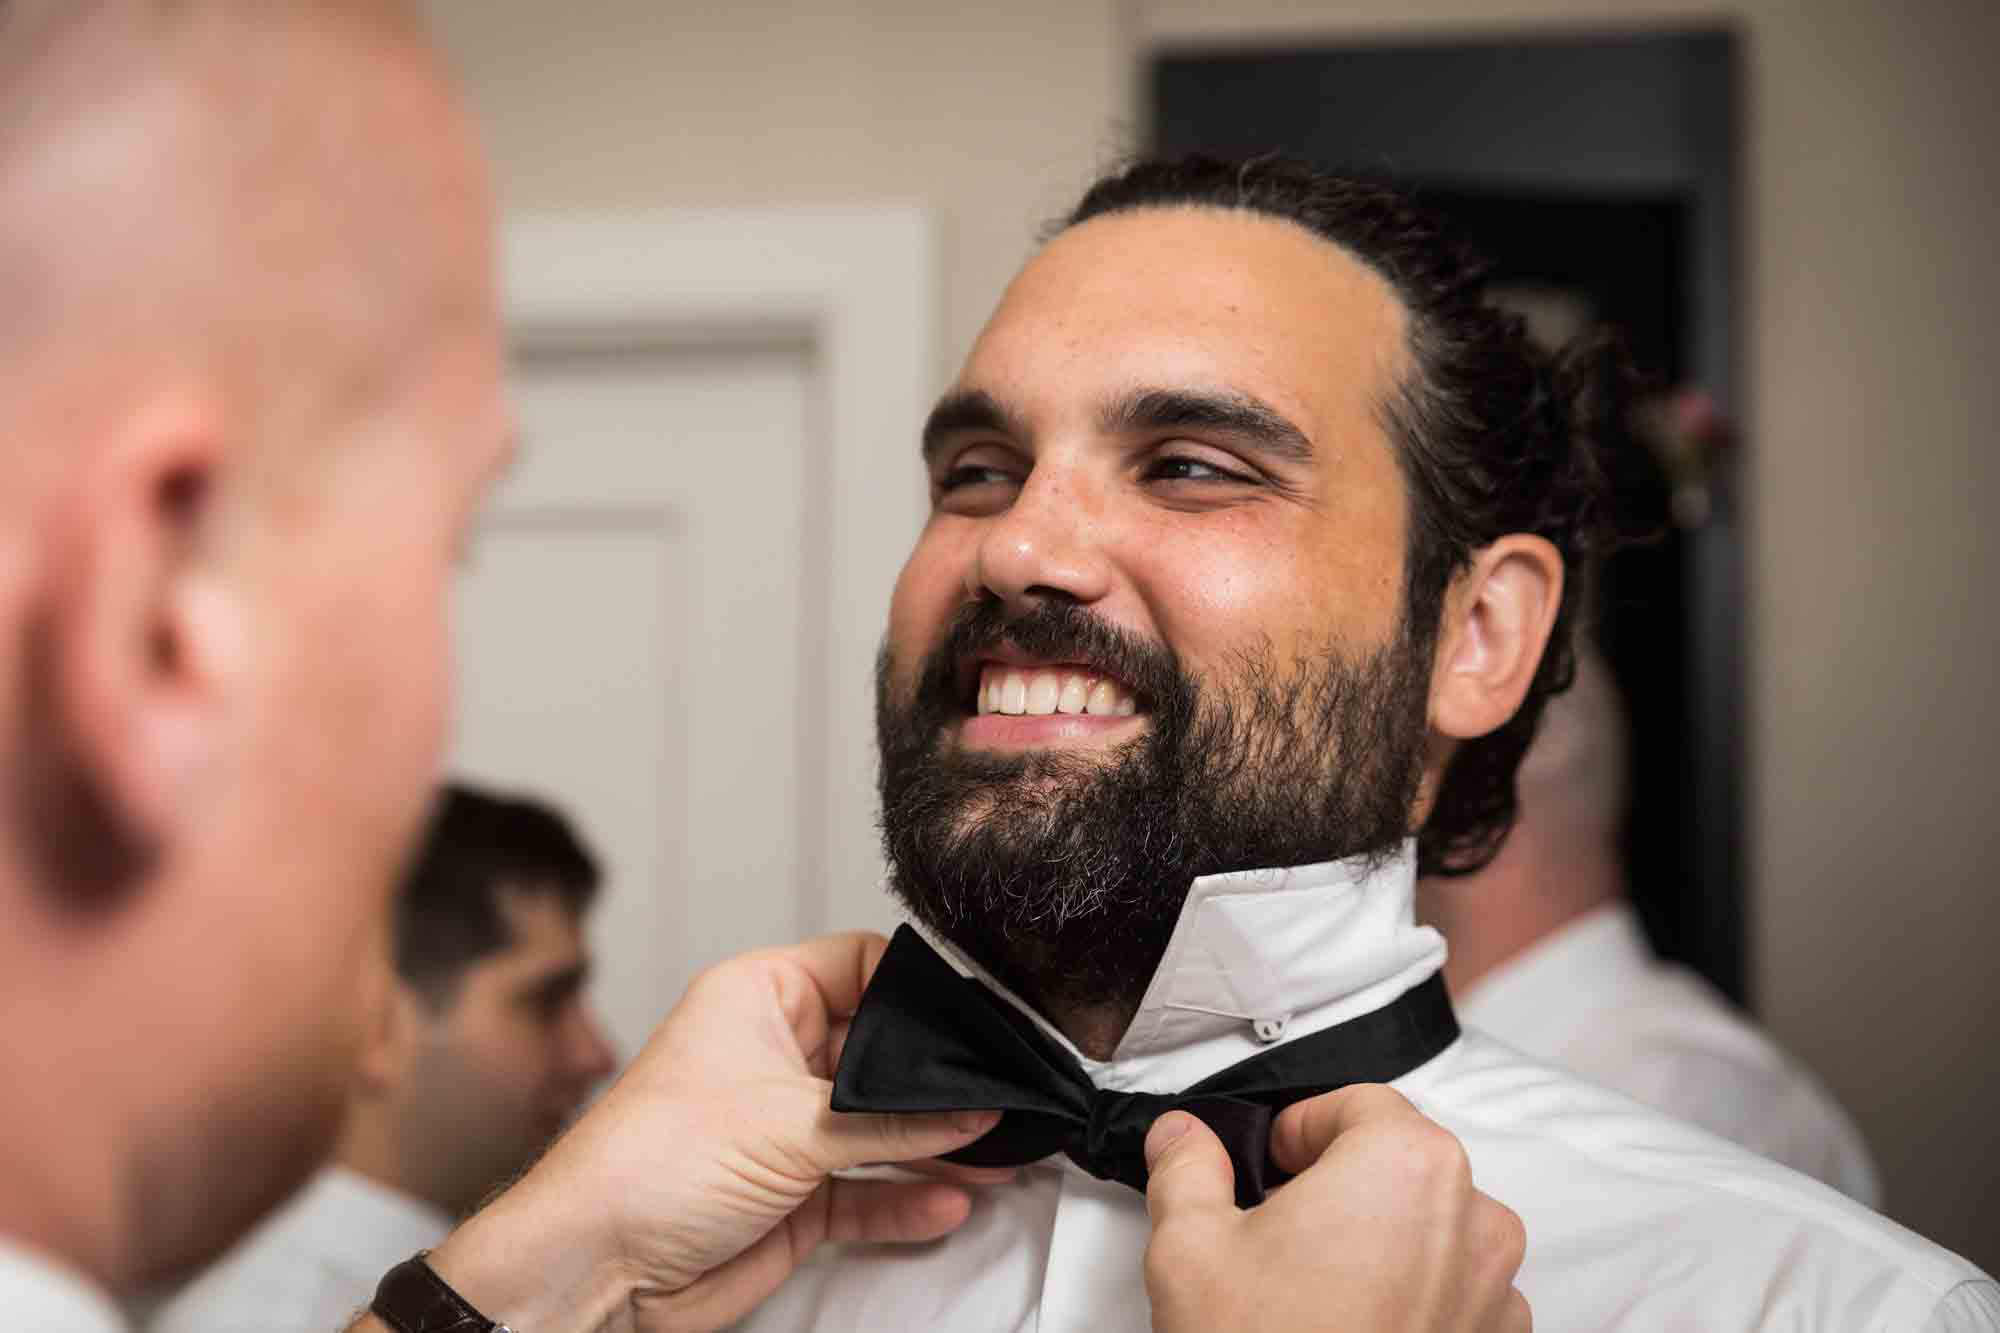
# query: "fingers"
{"type": "Point", "coordinates": [1501, 1233]}
{"type": "Point", "coordinates": [845, 1140]}
{"type": "Point", "coordinates": [1305, 1130]}
{"type": "Point", "coordinates": [838, 966]}
{"type": "Point", "coordinates": [963, 1175]}
{"type": "Point", "coordinates": [1498, 1235]}
{"type": "Point", "coordinates": [839, 1211]}
{"type": "Point", "coordinates": [882, 1212]}
{"type": "Point", "coordinates": [1189, 1169]}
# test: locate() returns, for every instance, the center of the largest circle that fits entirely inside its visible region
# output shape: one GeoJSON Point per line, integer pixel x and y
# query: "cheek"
{"type": "Point", "coordinates": [928, 592]}
{"type": "Point", "coordinates": [1234, 584]}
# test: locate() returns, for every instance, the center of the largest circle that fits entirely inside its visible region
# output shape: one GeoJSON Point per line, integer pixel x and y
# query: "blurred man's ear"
{"type": "Point", "coordinates": [130, 649]}
{"type": "Point", "coordinates": [392, 1044]}
{"type": "Point", "coordinates": [1497, 619]}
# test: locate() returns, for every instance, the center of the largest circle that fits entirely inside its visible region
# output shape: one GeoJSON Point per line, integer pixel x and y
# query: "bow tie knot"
{"type": "Point", "coordinates": [1114, 1138]}
{"type": "Point", "coordinates": [1112, 1143]}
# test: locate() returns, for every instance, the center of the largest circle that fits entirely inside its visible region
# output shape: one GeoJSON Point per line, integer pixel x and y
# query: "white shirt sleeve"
{"type": "Point", "coordinates": [1969, 1307]}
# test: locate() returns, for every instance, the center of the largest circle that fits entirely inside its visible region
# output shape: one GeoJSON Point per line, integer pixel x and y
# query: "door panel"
{"type": "Point", "coordinates": [635, 645]}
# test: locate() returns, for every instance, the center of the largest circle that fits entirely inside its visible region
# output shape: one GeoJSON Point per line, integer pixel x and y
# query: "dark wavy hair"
{"type": "Point", "coordinates": [480, 846]}
{"type": "Point", "coordinates": [1494, 435]}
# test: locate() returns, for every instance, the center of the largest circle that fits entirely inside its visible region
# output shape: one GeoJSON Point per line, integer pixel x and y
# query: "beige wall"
{"type": "Point", "coordinates": [1874, 312]}
{"type": "Point", "coordinates": [992, 114]}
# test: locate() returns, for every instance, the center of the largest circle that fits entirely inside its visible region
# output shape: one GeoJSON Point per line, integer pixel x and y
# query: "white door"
{"type": "Point", "coordinates": [667, 624]}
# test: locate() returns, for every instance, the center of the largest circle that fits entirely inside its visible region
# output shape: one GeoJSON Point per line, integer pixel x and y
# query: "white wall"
{"type": "Point", "coordinates": [1874, 312]}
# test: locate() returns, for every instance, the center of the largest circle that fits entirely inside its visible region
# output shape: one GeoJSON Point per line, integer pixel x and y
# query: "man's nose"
{"type": "Point", "coordinates": [1048, 543]}
{"type": "Point", "coordinates": [591, 1055]}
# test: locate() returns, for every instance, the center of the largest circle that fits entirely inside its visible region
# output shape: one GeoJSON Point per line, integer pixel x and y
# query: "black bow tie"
{"type": "Point", "coordinates": [927, 1039]}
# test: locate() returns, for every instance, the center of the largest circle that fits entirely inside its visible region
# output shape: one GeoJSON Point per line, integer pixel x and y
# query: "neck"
{"type": "Point", "coordinates": [1093, 1029]}
{"type": "Point", "coordinates": [68, 1166]}
{"type": "Point", "coordinates": [1536, 885]}
{"type": "Point", "coordinates": [368, 1147]}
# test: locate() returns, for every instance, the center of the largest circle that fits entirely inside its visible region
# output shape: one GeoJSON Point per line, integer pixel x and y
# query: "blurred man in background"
{"type": "Point", "coordinates": [250, 398]}
{"type": "Point", "coordinates": [1548, 956]}
{"type": "Point", "coordinates": [488, 1048]}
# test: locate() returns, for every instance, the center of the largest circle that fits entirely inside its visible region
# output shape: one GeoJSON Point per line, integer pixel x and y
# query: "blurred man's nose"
{"type": "Point", "coordinates": [1045, 544]}
{"type": "Point", "coordinates": [590, 1054]}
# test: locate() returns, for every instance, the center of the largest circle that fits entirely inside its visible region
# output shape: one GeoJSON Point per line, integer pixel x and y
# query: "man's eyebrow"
{"type": "Point", "coordinates": [965, 410]}
{"type": "Point", "coordinates": [557, 985]}
{"type": "Point", "coordinates": [1249, 420]}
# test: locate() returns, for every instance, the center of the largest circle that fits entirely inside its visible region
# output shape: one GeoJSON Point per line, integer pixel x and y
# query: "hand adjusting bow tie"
{"type": "Point", "coordinates": [927, 1039]}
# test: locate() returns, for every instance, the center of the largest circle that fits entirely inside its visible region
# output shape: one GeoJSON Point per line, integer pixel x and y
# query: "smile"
{"type": "Point", "coordinates": [1046, 691]}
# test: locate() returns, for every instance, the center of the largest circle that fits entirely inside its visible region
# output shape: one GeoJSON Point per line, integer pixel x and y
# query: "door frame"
{"type": "Point", "coordinates": [858, 287]}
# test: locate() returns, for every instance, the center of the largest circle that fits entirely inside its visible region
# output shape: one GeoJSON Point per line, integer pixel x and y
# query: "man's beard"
{"type": "Point", "coordinates": [1063, 874]}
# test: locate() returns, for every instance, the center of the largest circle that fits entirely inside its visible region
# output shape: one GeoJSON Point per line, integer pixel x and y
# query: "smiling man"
{"type": "Point", "coordinates": [1256, 537]}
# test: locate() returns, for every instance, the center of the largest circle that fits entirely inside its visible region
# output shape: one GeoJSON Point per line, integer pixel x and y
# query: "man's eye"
{"type": "Point", "coordinates": [1190, 469]}
{"type": "Point", "coordinates": [959, 478]}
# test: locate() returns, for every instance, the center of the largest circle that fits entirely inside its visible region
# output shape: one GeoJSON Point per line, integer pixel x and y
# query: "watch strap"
{"type": "Point", "coordinates": [412, 1298]}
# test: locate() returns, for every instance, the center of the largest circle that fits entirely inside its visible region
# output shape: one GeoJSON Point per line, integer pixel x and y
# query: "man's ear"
{"type": "Point", "coordinates": [1498, 615]}
{"type": "Point", "coordinates": [393, 1041]}
{"type": "Point", "coordinates": [133, 645]}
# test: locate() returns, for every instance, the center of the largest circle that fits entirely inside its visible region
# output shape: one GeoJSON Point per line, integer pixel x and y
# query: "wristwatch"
{"type": "Point", "coordinates": [414, 1299]}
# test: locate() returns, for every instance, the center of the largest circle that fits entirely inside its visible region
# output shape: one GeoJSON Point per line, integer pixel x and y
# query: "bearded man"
{"type": "Point", "coordinates": [1255, 543]}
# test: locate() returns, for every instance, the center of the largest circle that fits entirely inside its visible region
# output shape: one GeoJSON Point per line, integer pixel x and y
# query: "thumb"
{"type": "Point", "coordinates": [847, 1139]}
{"type": "Point", "coordinates": [1189, 1169]}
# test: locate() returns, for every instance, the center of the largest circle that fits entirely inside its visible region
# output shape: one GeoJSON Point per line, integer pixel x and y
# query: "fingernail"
{"type": "Point", "coordinates": [1164, 1131]}
{"type": "Point", "coordinates": [975, 1122]}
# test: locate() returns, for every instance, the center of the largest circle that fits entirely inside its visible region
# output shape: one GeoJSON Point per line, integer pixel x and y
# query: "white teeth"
{"type": "Point", "coordinates": [1014, 694]}
{"type": "Point", "coordinates": [1075, 689]}
{"type": "Point", "coordinates": [1042, 693]}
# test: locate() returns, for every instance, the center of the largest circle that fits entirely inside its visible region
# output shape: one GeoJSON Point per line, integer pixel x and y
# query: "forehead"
{"type": "Point", "coordinates": [541, 928]}
{"type": "Point", "coordinates": [1198, 296]}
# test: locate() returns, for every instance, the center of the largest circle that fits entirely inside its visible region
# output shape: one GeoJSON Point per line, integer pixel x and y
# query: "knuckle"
{"type": "Point", "coordinates": [1513, 1234]}
{"type": "Point", "coordinates": [1378, 1099]}
{"type": "Point", "coordinates": [1442, 1157]}
{"type": "Point", "coordinates": [1178, 1254]}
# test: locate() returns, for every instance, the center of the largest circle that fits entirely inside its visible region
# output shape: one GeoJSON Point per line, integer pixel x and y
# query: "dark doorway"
{"type": "Point", "coordinates": [1598, 172]}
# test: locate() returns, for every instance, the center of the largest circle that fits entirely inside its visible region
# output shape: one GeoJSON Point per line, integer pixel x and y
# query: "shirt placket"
{"type": "Point", "coordinates": [1095, 1281]}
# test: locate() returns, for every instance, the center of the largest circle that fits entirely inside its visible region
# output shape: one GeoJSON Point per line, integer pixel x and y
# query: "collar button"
{"type": "Point", "coordinates": [1268, 1030]}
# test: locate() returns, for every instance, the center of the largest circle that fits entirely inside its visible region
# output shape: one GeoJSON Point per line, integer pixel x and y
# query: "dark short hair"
{"type": "Point", "coordinates": [481, 846]}
{"type": "Point", "coordinates": [1493, 434]}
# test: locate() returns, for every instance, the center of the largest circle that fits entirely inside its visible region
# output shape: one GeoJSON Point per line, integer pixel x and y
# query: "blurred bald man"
{"type": "Point", "coordinates": [249, 397]}
{"type": "Point", "coordinates": [250, 394]}
{"type": "Point", "coordinates": [1548, 955]}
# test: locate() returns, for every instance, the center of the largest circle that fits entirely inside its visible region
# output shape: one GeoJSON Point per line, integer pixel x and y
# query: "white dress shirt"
{"type": "Point", "coordinates": [1593, 999]}
{"type": "Point", "coordinates": [1635, 1221]}
{"type": "Point", "coordinates": [312, 1265]}
{"type": "Point", "coordinates": [39, 1294]}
